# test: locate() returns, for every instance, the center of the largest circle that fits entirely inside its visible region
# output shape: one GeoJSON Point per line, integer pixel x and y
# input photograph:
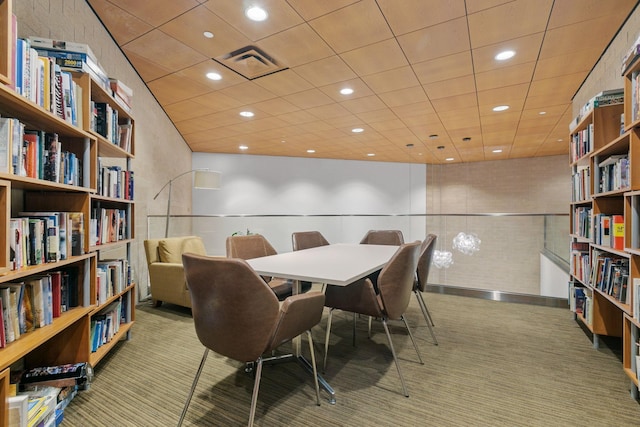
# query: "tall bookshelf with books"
{"type": "Point", "coordinates": [605, 272]}
{"type": "Point", "coordinates": [631, 317]}
{"type": "Point", "coordinates": [600, 176]}
{"type": "Point", "coordinates": [60, 276]}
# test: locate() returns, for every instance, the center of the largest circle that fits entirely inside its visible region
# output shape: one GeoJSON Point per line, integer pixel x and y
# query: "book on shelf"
{"type": "Point", "coordinates": [18, 410]}
{"type": "Point", "coordinates": [17, 288]}
{"type": "Point", "coordinates": [579, 300]}
{"type": "Point", "coordinates": [6, 143]}
{"type": "Point", "coordinates": [636, 299]}
{"type": "Point", "coordinates": [617, 232]}
{"type": "Point", "coordinates": [70, 374]}
{"type": "Point", "coordinates": [62, 45]}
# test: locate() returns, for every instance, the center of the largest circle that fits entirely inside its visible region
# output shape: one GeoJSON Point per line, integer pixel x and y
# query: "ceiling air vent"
{"type": "Point", "coordinates": [250, 62]}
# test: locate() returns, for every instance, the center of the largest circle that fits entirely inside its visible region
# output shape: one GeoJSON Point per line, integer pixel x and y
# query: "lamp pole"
{"type": "Point", "coordinates": [211, 182]}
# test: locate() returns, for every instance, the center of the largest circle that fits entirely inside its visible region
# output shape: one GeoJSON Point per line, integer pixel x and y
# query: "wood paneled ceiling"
{"type": "Point", "coordinates": [423, 73]}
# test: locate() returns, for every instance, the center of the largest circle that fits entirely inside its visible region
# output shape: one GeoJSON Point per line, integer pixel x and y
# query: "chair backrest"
{"type": "Point", "coordinates": [424, 261]}
{"type": "Point", "coordinates": [170, 249]}
{"type": "Point", "coordinates": [395, 282]}
{"type": "Point", "coordinates": [307, 239]}
{"type": "Point", "coordinates": [249, 247]}
{"type": "Point", "coordinates": [383, 237]}
{"type": "Point", "coordinates": [234, 310]}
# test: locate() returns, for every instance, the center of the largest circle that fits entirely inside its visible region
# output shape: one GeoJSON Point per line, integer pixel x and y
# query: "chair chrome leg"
{"type": "Point", "coordinates": [370, 318]}
{"type": "Point", "coordinates": [315, 370]}
{"type": "Point", "coordinates": [256, 387]}
{"type": "Point", "coordinates": [326, 341]}
{"type": "Point", "coordinates": [412, 339]}
{"type": "Point", "coordinates": [426, 311]}
{"type": "Point", "coordinates": [395, 358]}
{"type": "Point", "coordinates": [193, 386]}
{"type": "Point", "coordinates": [427, 316]}
{"type": "Point", "coordinates": [355, 319]}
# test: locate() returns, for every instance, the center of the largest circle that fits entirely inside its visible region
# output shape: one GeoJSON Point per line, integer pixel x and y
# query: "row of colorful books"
{"type": "Point", "coordinates": [37, 154]}
{"type": "Point", "coordinates": [42, 237]}
{"type": "Point", "coordinates": [113, 276]}
{"type": "Point", "coordinates": [35, 302]}
{"type": "Point", "coordinates": [105, 325]}
{"type": "Point", "coordinates": [608, 230]}
{"type": "Point", "coordinates": [115, 182]}
{"type": "Point", "coordinates": [108, 225]}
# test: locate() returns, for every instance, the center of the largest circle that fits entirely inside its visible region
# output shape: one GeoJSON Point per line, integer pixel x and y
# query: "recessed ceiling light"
{"type": "Point", "coordinates": [283, 141]}
{"type": "Point", "coordinates": [505, 55]}
{"type": "Point", "coordinates": [208, 34]}
{"type": "Point", "coordinates": [371, 154]}
{"type": "Point", "coordinates": [440, 147]}
{"type": "Point", "coordinates": [311, 151]}
{"type": "Point", "coordinates": [246, 114]}
{"type": "Point", "coordinates": [449, 159]}
{"type": "Point", "coordinates": [560, 140]}
{"type": "Point", "coordinates": [243, 147]}
{"type": "Point", "coordinates": [357, 130]}
{"type": "Point", "coordinates": [542, 113]}
{"type": "Point", "coordinates": [346, 91]}
{"type": "Point", "coordinates": [466, 139]}
{"type": "Point", "coordinates": [433, 136]}
{"type": "Point", "coordinates": [497, 151]}
{"type": "Point", "coordinates": [214, 76]}
{"type": "Point", "coordinates": [501, 108]}
{"type": "Point", "coordinates": [256, 13]}
{"type": "Point", "coordinates": [409, 145]}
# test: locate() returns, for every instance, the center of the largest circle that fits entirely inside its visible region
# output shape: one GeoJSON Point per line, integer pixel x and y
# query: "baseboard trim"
{"type": "Point", "coordinates": [499, 296]}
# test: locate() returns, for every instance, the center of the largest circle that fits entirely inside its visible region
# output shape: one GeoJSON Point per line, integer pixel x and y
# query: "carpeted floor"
{"type": "Point", "coordinates": [498, 364]}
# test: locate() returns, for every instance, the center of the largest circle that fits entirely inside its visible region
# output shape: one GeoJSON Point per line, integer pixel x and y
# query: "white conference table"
{"type": "Point", "coordinates": [337, 264]}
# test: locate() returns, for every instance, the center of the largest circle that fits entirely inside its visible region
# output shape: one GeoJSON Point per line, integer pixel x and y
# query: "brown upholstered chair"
{"type": "Point", "coordinates": [236, 315]}
{"type": "Point", "coordinates": [420, 282]}
{"type": "Point", "coordinates": [305, 240]}
{"type": "Point", "coordinates": [383, 237]}
{"type": "Point", "coordinates": [256, 246]}
{"type": "Point", "coordinates": [395, 284]}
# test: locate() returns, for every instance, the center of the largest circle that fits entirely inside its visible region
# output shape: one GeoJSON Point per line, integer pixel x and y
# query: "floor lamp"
{"type": "Point", "coordinates": [203, 179]}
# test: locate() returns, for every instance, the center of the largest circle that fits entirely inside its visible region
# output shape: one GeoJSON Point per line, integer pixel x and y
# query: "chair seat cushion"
{"type": "Point", "coordinates": [172, 248]}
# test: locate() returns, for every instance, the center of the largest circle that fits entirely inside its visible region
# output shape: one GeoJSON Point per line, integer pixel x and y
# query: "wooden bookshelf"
{"type": "Point", "coordinates": [615, 190]}
{"type": "Point", "coordinates": [67, 339]}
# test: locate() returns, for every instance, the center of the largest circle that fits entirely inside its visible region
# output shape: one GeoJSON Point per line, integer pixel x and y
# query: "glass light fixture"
{"type": "Point", "coordinates": [208, 34]}
{"type": "Point", "coordinates": [467, 243]}
{"type": "Point", "coordinates": [442, 259]}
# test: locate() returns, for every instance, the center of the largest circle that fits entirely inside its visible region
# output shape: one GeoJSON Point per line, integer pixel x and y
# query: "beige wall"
{"type": "Point", "coordinates": [508, 259]}
{"type": "Point", "coordinates": [160, 151]}
{"type": "Point", "coordinates": [607, 74]}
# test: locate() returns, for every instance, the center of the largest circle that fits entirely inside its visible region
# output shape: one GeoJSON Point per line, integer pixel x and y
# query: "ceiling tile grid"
{"type": "Point", "coordinates": [423, 73]}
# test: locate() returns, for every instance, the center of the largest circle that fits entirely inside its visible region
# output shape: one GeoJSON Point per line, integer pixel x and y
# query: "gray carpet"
{"type": "Point", "coordinates": [498, 364]}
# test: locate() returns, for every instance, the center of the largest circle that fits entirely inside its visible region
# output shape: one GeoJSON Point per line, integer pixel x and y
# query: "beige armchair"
{"type": "Point", "coordinates": [166, 274]}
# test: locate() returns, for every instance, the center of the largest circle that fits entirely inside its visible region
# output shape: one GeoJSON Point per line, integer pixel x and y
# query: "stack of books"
{"type": "Point", "coordinates": [71, 56]}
